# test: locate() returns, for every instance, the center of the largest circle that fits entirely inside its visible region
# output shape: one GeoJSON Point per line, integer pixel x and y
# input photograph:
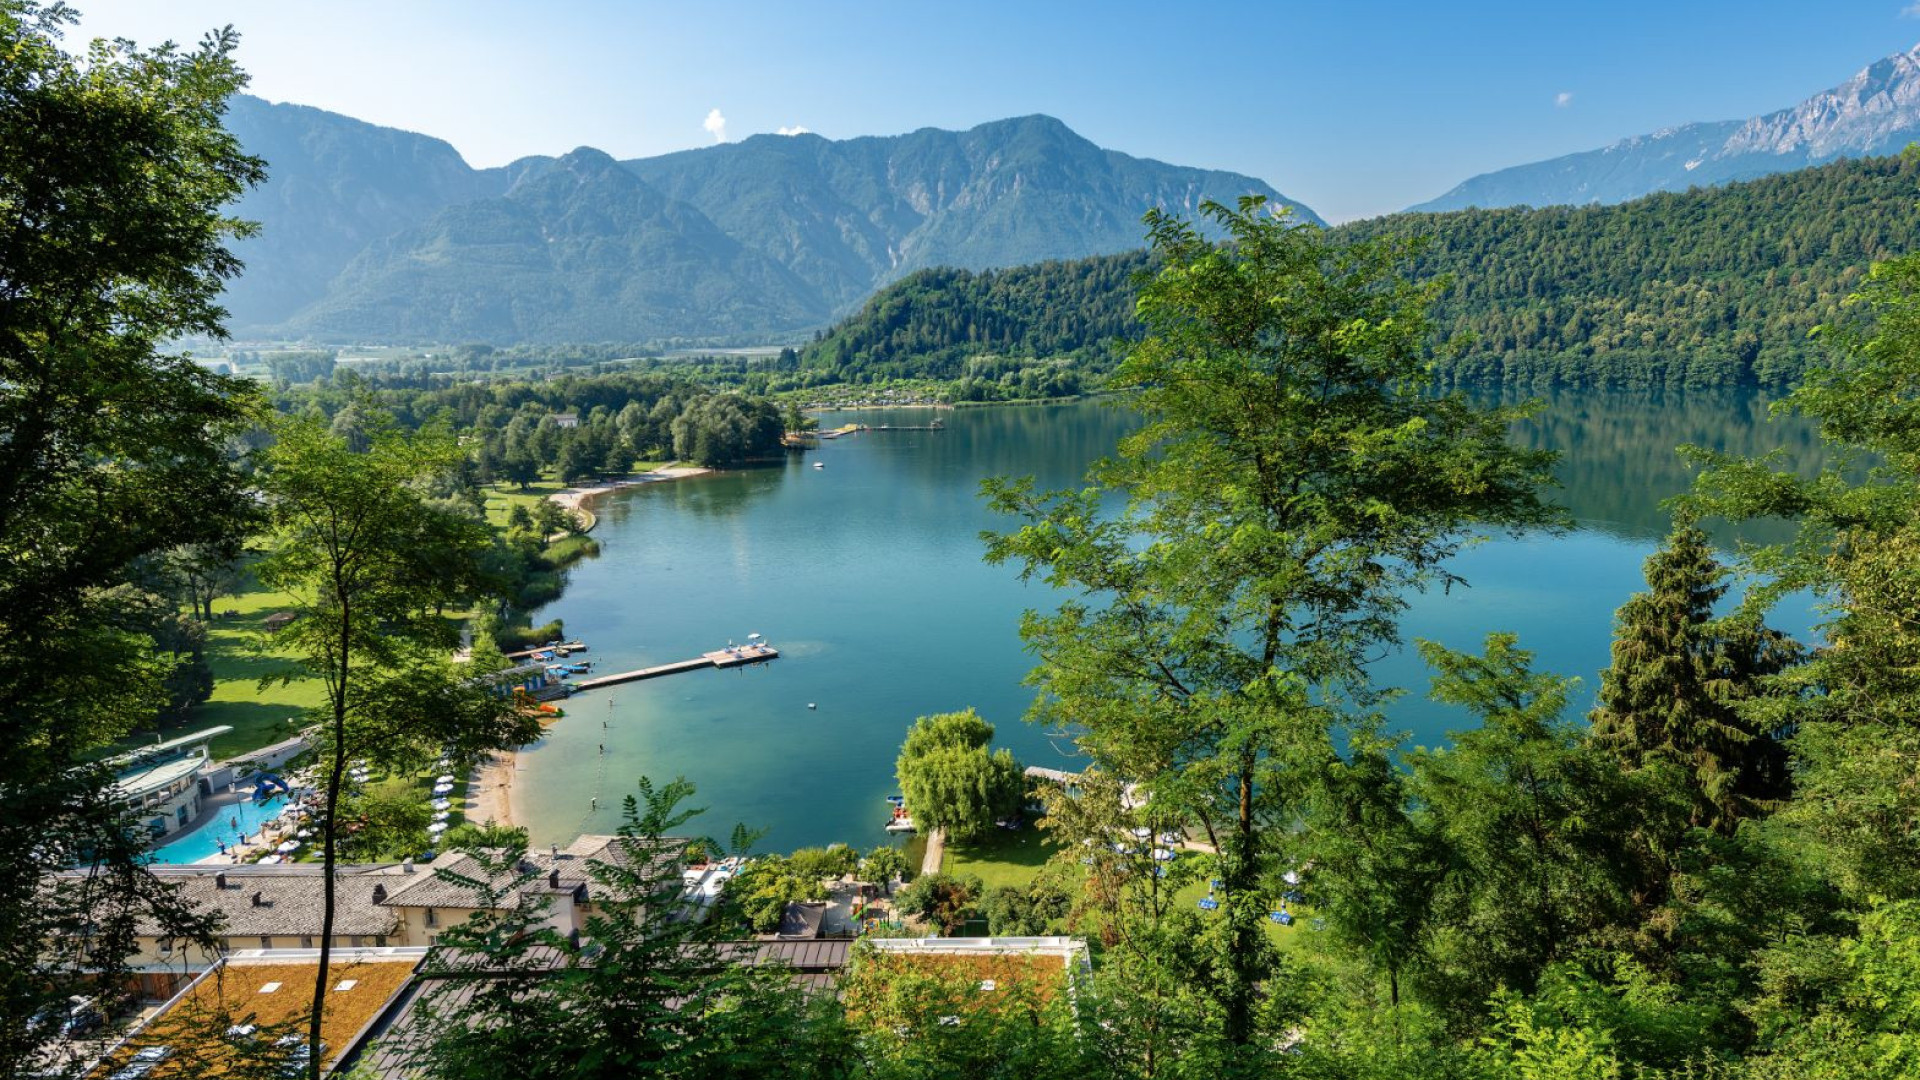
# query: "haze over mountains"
{"type": "Point", "coordinates": [1876, 112]}
{"type": "Point", "coordinates": [370, 233]}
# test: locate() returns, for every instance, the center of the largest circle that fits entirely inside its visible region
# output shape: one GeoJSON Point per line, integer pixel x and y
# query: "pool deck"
{"type": "Point", "coordinates": [219, 804]}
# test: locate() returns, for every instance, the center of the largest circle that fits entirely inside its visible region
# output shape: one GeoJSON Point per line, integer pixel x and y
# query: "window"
{"type": "Point", "coordinates": [431, 920]}
{"type": "Point", "coordinates": [266, 942]}
{"type": "Point", "coordinates": [306, 941]}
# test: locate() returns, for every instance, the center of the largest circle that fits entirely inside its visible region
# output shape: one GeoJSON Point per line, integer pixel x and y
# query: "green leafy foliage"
{"type": "Point", "coordinates": [114, 177]}
{"type": "Point", "coordinates": [952, 781]}
{"type": "Point", "coordinates": [650, 993]}
{"type": "Point", "coordinates": [1295, 481]}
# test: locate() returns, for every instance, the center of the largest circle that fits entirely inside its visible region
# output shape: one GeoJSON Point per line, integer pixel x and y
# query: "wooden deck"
{"type": "Point", "coordinates": [719, 658]}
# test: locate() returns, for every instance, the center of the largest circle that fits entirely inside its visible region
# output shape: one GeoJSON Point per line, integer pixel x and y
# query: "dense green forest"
{"type": "Point", "coordinates": [1715, 287]}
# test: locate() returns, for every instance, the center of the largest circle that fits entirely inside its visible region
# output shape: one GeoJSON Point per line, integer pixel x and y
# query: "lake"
{"type": "Point", "coordinates": [867, 575]}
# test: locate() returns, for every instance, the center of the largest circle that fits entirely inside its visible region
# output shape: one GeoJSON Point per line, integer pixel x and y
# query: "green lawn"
{"type": "Point", "coordinates": [258, 715]}
{"type": "Point", "coordinates": [1004, 857]}
{"type": "Point", "coordinates": [502, 498]}
{"type": "Point", "coordinates": [1284, 936]}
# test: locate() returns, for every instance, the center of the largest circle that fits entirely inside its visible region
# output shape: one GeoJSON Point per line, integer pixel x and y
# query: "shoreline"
{"type": "Point", "coordinates": [490, 784]}
{"type": "Point", "coordinates": [576, 500]}
{"type": "Point", "coordinates": [490, 790]}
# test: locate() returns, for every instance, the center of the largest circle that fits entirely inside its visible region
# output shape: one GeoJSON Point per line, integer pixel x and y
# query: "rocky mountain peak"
{"type": "Point", "coordinates": [1858, 116]}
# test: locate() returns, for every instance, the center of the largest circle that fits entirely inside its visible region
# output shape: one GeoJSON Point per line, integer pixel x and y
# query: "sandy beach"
{"type": "Point", "coordinates": [490, 790]}
{"type": "Point", "coordinates": [575, 500]}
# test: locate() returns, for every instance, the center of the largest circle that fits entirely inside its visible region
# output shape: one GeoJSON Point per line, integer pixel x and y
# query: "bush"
{"type": "Point", "coordinates": [943, 899]}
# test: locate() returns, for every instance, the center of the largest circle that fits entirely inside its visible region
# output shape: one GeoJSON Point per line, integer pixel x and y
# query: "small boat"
{"type": "Point", "coordinates": [819, 464]}
{"type": "Point", "coordinates": [897, 800]}
{"type": "Point", "coordinates": [903, 823]}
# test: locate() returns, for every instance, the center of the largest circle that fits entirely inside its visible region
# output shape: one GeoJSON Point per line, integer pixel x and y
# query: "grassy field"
{"type": "Point", "coordinates": [1005, 857]}
{"type": "Point", "coordinates": [258, 715]}
{"type": "Point", "coordinates": [502, 498]}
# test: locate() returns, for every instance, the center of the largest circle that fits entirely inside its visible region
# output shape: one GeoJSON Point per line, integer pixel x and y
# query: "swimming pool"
{"type": "Point", "coordinates": [204, 842]}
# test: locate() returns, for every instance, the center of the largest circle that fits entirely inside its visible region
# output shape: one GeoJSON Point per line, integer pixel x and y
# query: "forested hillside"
{"type": "Point", "coordinates": [933, 323]}
{"type": "Point", "coordinates": [1718, 287]}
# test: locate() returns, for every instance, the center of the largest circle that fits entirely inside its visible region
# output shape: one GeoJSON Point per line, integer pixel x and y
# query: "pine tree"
{"type": "Point", "coordinates": [1673, 690]}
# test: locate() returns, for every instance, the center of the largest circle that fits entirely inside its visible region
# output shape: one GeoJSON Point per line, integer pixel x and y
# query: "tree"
{"type": "Point", "coordinates": [114, 169]}
{"type": "Point", "coordinates": [763, 888]}
{"type": "Point", "coordinates": [1296, 478]}
{"type": "Point", "coordinates": [797, 421]}
{"type": "Point", "coordinates": [885, 865]}
{"type": "Point", "coordinates": [1678, 679]}
{"type": "Point", "coordinates": [1376, 863]}
{"type": "Point", "coordinates": [1536, 822]}
{"type": "Point", "coordinates": [942, 899]}
{"type": "Point", "coordinates": [367, 561]}
{"type": "Point", "coordinates": [726, 429]}
{"type": "Point", "coordinates": [649, 993]}
{"type": "Point", "coordinates": [1852, 707]}
{"type": "Point", "coordinates": [389, 821]}
{"type": "Point", "coordinates": [952, 781]}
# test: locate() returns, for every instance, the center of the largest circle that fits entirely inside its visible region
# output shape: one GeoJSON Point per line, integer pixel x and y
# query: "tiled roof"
{"type": "Point", "coordinates": [283, 900]}
{"type": "Point", "coordinates": [564, 870]}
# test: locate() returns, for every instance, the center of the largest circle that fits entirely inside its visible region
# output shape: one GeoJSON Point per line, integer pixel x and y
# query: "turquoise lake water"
{"type": "Point", "coordinates": [867, 575]}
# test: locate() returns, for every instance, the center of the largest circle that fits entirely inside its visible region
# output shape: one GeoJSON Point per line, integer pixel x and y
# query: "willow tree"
{"type": "Point", "coordinates": [367, 560]}
{"type": "Point", "coordinates": [1296, 478]}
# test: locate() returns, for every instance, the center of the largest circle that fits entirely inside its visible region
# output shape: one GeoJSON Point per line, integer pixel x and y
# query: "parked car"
{"type": "Point", "coordinates": [83, 1017]}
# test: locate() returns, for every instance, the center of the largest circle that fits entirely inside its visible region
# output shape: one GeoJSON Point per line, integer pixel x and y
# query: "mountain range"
{"type": "Point", "coordinates": [1876, 112]}
{"type": "Point", "coordinates": [370, 233]}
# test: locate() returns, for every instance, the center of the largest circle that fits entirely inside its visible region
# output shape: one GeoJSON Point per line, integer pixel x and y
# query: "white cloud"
{"type": "Point", "coordinates": [1565, 98]}
{"type": "Point", "coordinates": [1911, 11]}
{"type": "Point", "coordinates": [716, 125]}
{"type": "Point", "coordinates": [795, 130]}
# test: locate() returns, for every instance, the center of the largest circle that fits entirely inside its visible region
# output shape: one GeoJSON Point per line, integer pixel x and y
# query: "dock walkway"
{"type": "Point", "coordinates": [719, 658]}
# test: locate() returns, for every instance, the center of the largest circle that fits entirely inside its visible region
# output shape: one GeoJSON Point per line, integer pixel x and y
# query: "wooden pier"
{"type": "Point", "coordinates": [570, 646]}
{"type": "Point", "coordinates": [856, 429]}
{"type": "Point", "coordinates": [719, 658]}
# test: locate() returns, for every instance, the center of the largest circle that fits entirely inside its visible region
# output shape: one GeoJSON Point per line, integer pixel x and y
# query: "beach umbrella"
{"type": "Point", "coordinates": [441, 804]}
{"type": "Point", "coordinates": [289, 845]}
{"type": "Point", "coordinates": [442, 815]}
{"type": "Point", "coordinates": [1143, 832]}
{"type": "Point", "coordinates": [1290, 877]}
{"type": "Point", "coordinates": [446, 778]}
{"type": "Point", "coordinates": [443, 789]}
{"type": "Point", "coordinates": [304, 833]}
{"type": "Point", "coordinates": [437, 827]}
{"type": "Point", "coordinates": [1162, 854]}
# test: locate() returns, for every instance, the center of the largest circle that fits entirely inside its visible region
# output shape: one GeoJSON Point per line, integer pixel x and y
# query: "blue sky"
{"type": "Point", "coordinates": [1355, 108]}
